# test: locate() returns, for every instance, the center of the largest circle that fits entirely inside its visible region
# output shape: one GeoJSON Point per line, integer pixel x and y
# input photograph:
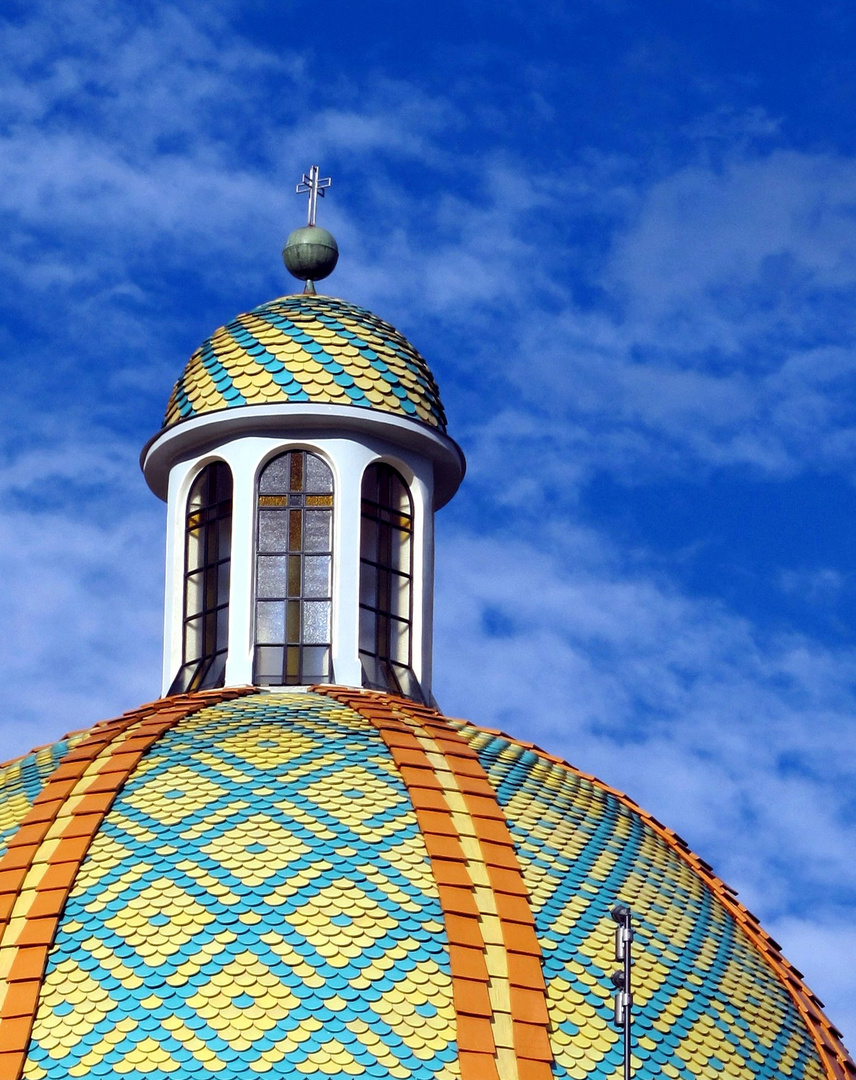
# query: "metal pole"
{"type": "Point", "coordinates": [621, 979]}
{"type": "Point", "coordinates": [628, 996]}
{"type": "Point", "coordinates": [313, 194]}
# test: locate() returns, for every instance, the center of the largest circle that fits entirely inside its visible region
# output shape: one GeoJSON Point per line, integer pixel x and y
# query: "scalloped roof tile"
{"type": "Point", "coordinates": [307, 349]}
{"type": "Point", "coordinates": [345, 883]}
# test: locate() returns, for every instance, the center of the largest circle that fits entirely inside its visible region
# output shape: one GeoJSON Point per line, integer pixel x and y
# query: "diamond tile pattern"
{"type": "Point", "coordinates": [44, 854]}
{"type": "Point", "coordinates": [709, 1002]}
{"type": "Point", "coordinates": [499, 990]}
{"type": "Point", "coordinates": [345, 883]}
{"type": "Point", "coordinates": [258, 900]}
{"type": "Point", "coordinates": [307, 349]}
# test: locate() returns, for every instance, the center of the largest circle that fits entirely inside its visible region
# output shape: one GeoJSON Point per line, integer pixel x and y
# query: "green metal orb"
{"type": "Point", "coordinates": [310, 253]}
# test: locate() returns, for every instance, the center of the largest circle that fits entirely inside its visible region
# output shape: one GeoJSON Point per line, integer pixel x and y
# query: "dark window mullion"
{"type": "Point", "coordinates": [386, 580]}
{"type": "Point", "coordinates": [209, 509]}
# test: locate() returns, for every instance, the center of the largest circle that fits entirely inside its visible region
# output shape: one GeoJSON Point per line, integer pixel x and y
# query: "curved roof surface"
{"type": "Point", "coordinates": [307, 349]}
{"type": "Point", "coordinates": [341, 883]}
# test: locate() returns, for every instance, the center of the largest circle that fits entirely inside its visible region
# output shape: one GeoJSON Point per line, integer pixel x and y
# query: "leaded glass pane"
{"type": "Point", "coordinates": [318, 475]}
{"type": "Point", "coordinates": [368, 631]}
{"type": "Point", "coordinates": [210, 591]}
{"type": "Point", "coordinates": [299, 573]}
{"type": "Point", "coordinates": [399, 596]}
{"type": "Point", "coordinates": [382, 601]}
{"type": "Point", "coordinates": [296, 472]}
{"type": "Point", "coordinates": [269, 664]}
{"type": "Point", "coordinates": [270, 622]}
{"type": "Point", "coordinates": [295, 530]}
{"type": "Point", "coordinates": [193, 639]}
{"type": "Point", "coordinates": [271, 575]}
{"type": "Point", "coordinates": [399, 634]}
{"type": "Point", "coordinates": [217, 670]}
{"type": "Point", "coordinates": [225, 538]}
{"type": "Point", "coordinates": [316, 575]}
{"type": "Point", "coordinates": [195, 550]}
{"type": "Point", "coordinates": [399, 555]}
{"type": "Point", "coordinates": [273, 531]}
{"type": "Point", "coordinates": [368, 584]}
{"type": "Point", "coordinates": [212, 544]}
{"type": "Point", "coordinates": [316, 664]}
{"type": "Point", "coordinates": [406, 680]}
{"type": "Point", "coordinates": [294, 575]}
{"type": "Point", "coordinates": [194, 592]}
{"type": "Point", "coordinates": [372, 669]}
{"type": "Point", "coordinates": [293, 620]}
{"type": "Point", "coordinates": [316, 622]}
{"type": "Point", "coordinates": [318, 530]}
{"type": "Point", "coordinates": [274, 478]}
{"type": "Point", "coordinates": [369, 538]}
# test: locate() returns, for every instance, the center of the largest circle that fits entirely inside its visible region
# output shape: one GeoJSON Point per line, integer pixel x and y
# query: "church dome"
{"type": "Point", "coordinates": [336, 883]}
{"type": "Point", "coordinates": [319, 875]}
{"type": "Point", "coordinates": [307, 348]}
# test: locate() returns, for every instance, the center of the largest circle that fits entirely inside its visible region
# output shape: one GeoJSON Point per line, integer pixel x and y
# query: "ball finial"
{"type": "Point", "coordinates": [310, 252]}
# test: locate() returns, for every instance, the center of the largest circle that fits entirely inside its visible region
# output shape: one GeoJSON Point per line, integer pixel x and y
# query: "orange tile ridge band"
{"type": "Point", "coordinates": [827, 1038]}
{"type": "Point", "coordinates": [497, 983]}
{"type": "Point", "coordinates": [43, 857]}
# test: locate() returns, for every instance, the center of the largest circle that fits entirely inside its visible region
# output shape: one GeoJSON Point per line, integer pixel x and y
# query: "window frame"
{"type": "Point", "coordinates": [217, 506]}
{"type": "Point", "coordinates": [392, 666]}
{"type": "Point", "coordinates": [296, 667]}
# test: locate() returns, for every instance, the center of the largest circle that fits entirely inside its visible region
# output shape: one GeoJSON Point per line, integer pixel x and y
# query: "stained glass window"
{"type": "Point", "coordinates": [386, 582]}
{"type": "Point", "coordinates": [207, 557]}
{"type": "Point", "coordinates": [294, 571]}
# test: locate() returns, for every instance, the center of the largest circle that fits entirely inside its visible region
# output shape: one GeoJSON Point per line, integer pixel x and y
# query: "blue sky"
{"type": "Point", "coordinates": [623, 235]}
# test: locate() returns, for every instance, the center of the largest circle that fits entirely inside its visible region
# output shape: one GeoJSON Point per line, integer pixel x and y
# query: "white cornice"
{"type": "Point", "coordinates": [204, 433]}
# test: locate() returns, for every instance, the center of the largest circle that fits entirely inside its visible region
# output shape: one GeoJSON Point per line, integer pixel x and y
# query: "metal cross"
{"type": "Point", "coordinates": [315, 187]}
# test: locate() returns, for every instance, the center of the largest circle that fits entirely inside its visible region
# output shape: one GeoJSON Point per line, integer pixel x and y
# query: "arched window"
{"type": "Point", "coordinates": [207, 553]}
{"type": "Point", "coordinates": [294, 571]}
{"type": "Point", "coordinates": [386, 582]}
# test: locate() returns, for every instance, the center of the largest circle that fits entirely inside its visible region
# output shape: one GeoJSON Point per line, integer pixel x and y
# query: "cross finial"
{"type": "Point", "coordinates": [315, 187]}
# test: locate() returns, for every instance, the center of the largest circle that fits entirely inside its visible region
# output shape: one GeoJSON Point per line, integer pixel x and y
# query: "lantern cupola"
{"type": "Point", "coordinates": [303, 454]}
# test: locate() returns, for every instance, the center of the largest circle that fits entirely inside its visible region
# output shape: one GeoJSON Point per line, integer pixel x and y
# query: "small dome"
{"type": "Point", "coordinates": [307, 348]}
{"type": "Point", "coordinates": [342, 883]}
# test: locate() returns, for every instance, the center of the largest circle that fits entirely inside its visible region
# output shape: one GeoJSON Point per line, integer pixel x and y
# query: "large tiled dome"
{"type": "Point", "coordinates": [307, 349]}
{"type": "Point", "coordinates": [341, 883]}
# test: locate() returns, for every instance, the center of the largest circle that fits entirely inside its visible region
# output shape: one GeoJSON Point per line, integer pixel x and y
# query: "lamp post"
{"type": "Point", "coordinates": [623, 916]}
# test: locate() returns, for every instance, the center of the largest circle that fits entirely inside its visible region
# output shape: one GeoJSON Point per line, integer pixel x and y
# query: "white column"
{"type": "Point", "coordinates": [242, 456]}
{"type": "Point", "coordinates": [349, 461]}
{"type": "Point", "coordinates": [423, 580]}
{"type": "Point", "coordinates": [173, 615]}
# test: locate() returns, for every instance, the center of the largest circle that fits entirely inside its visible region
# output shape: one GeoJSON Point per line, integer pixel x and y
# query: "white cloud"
{"type": "Point", "coordinates": [708, 244]}
{"type": "Point", "coordinates": [742, 742]}
{"type": "Point", "coordinates": [818, 586]}
{"type": "Point", "coordinates": [825, 945]}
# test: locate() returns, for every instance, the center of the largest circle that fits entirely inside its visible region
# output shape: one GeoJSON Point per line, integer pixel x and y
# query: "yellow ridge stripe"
{"type": "Point", "coordinates": [835, 1059]}
{"type": "Point", "coordinates": [41, 863]}
{"type": "Point", "coordinates": [495, 959]}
